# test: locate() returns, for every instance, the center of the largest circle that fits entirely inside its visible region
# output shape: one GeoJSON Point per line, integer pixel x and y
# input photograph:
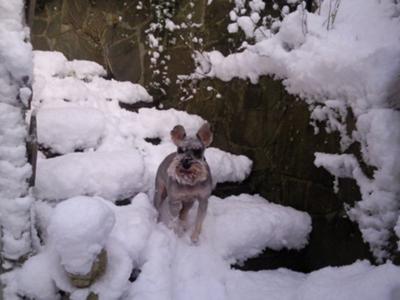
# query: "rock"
{"type": "Point", "coordinates": [39, 27]}
{"type": "Point", "coordinates": [98, 269]}
{"type": "Point", "coordinates": [123, 58]}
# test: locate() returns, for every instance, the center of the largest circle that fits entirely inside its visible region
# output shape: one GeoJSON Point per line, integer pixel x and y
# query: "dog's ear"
{"type": "Point", "coordinates": [178, 134]}
{"type": "Point", "coordinates": [205, 134]}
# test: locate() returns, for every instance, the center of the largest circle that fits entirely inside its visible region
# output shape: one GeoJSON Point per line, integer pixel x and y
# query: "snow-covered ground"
{"type": "Point", "coordinates": [343, 57]}
{"type": "Point", "coordinates": [173, 268]}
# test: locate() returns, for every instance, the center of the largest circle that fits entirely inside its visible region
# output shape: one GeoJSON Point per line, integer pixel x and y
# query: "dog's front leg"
{"type": "Point", "coordinates": [201, 214]}
{"type": "Point", "coordinates": [175, 207]}
{"type": "Point", "coordinates": [183, 215]}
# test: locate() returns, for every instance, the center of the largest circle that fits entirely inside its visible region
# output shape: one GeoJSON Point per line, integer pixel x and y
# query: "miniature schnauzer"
{"type": "Point", "coordinates": [183, 178]}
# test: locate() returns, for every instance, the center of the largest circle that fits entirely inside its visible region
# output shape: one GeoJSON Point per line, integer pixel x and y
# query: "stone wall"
{"type": "Point", "coordinates": [261, 121]}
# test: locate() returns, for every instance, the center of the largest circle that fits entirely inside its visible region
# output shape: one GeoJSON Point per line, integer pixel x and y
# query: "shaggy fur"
{"type": "Point", "coordinates": [183, 178]}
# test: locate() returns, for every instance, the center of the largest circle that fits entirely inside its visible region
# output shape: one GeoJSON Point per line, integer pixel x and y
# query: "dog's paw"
{"type": "Point", "coordinates": [179, 231]}
{"type": "Point", "coordinates": [195, 239]}
{"type": "Point", "coordinates": [184, 225]}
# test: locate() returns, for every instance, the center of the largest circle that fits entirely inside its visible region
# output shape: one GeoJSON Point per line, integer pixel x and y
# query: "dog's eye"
{"type": "Point", "coordinates": [198, 153]}
{"type": "Point", "coordinates": [180, 150]}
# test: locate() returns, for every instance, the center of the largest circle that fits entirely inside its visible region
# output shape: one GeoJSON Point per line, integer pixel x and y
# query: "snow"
{"type": "Point", "coordinates": [78, 230]}
{"type": "Point", "coordinates": [82, 128]}
{"type": "Point", "coordinates": [262, 224]}
{"type": "Point", "coordinates": [338, 59]}
{"type": "Point", "coordinates": [15, 80]}
{"type": "Point", "coordinates": [55, 64]}
{"type": "Point", "coordinates": [357, 281]}
{"type": "Point", "coordinates": [173, 268]}
{"type": "Point", "coordinates": [257, 5]}
{"type": "Point", "coordinates": [112, 175]}
{"type": "Point", "coordinates": [81, 226]}
{"type": "Point", "coordinates": [353, 59]}
{"type": "Point", "coordinates": [378, 211]}
{"type": "Point", "coordinates": [56, 78]}
{"type": "Point", "coordinates": [247, 25]}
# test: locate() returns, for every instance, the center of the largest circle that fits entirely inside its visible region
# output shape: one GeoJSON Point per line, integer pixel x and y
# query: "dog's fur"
{"type": "Point", "coordinates": [183, 178]}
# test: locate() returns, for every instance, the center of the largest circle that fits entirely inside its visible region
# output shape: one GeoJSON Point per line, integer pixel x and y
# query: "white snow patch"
{"type": "Point", "coordinates": [57, 78]}
{"type": "Point", "coordinates": [262, 225]}
{"type": "Point", "coordinates": [111, 175]}
{"type": "Point", "coordinates": [82, 128]}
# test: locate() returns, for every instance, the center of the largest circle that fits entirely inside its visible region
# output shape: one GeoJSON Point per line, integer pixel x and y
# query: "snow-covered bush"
{"type": "Point", "coordinates": [15, 80]}
{"type": "Point", "coordinates": [344, 57]}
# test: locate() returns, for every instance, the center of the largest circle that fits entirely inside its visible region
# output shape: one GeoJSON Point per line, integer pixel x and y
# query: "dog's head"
{"type": "Point", "coordinates": [189, 166]}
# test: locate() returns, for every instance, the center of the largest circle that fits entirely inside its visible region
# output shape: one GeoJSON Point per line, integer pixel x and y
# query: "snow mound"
{"type": "Point", "coordinates": [113, 176]}
{"type": "Point", "coordinates": [134, 224]}
{"type": "Point", "coordinates": [79, 228]}
{"type": "Point", "coordinates": [227, 167]}
{"type": "Point", "coordinates": [57, 78]}
{"type": "Point", "coordinates": [148, 120]}
{"type": "Point", "coordinates": [81, 128]}
{"type": "Point", "coordinates": [360, 280]}
{"type": "Point", "coordinates": [55, 64]}
{"type": "Point", "coordinates": [262, 225]}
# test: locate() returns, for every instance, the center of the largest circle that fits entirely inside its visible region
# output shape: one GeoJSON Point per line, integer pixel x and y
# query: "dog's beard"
{"type": "Point", "coordinates": [195, 174]}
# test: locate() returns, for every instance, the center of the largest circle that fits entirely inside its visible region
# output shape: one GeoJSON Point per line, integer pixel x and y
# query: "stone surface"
{"type": "Point", "coordinates": [98, 268]}
{"type": "Point", "coordinates": [261, 121]}
{"type": "Point", "coordinates": [124, 60]}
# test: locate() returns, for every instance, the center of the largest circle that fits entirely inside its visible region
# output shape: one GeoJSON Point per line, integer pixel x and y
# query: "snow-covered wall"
{"type": "Point", "coordinates": [152, 43]}
{"type": "Point", "coordinates": [337, 45]}
{"type": "Point", "coordinates": [15, 80]}
{"type": "Point", "coordinates": [342, 59]}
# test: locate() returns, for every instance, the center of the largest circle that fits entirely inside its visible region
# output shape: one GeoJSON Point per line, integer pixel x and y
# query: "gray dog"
{"type": "Point", "coordinates": [183, 178]}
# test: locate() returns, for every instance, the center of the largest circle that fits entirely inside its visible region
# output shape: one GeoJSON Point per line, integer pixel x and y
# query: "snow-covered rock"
{"type": "Point", "coordinates": [111, 175]}
{"type": "Point", "coordinates": [81, 128]}
{"type": "Point", "coordinates": [79, 229]}
{"type": "Point", "coordinates": [56, 78]}
{"type": "Point", "coordinates": [261, 225]}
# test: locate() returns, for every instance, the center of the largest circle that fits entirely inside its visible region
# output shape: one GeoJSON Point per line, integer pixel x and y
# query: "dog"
{"type": "Point", "coordinates": [183, 178]}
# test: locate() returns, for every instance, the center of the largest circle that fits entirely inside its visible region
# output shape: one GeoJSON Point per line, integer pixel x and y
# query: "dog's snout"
{"type": "Point", "coordinates": [186, 163]}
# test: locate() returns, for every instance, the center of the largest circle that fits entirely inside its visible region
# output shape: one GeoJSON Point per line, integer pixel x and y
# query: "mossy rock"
{"type": "Point", "coordinates": [98, 269]}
